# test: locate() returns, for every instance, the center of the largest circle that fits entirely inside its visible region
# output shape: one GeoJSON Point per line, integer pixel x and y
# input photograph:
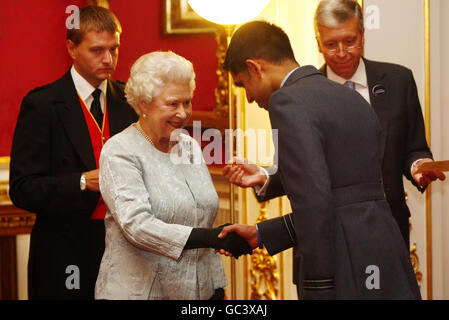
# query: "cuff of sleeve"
{"type": "Point", "coordinates": [414, 164]}
{"type": "Point", "coordinates": [261, 190]}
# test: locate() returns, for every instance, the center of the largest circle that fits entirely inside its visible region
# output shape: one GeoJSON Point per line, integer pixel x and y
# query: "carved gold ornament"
{"type": "Point", "coordinates": [264, 276]}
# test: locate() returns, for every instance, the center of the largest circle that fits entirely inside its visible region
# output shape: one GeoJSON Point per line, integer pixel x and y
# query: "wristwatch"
{"type": "Point", "coordinates": [83, 185]}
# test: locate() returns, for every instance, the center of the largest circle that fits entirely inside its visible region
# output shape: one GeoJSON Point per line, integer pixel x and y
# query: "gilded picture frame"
{"type": "Point", "coordinates": [180, 18]}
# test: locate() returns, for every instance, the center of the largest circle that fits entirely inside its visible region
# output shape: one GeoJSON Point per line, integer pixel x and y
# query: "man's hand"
{"type": "Point", "coordinates": [244, 174]}
{"type": "Point", "coordinates": [249, 233]}
{"type": "Point", "coordinates": [92, 180]}
{"type": "Point", "coordinates": [425, 178]}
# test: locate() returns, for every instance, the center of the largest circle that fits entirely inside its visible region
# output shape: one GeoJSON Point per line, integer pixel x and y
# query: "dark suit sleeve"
{"type": "Point", "coordinates": [305, 178]}
{"type": "Point", "coordinates": [416, 144]}
{"type": "Point", "coordinates": [34, 184]}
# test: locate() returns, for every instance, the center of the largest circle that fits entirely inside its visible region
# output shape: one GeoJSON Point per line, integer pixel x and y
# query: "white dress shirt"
{"type": "Point", "coordinates": [85, 89]}
{"type": "Point", "coordinates": [359, 78]}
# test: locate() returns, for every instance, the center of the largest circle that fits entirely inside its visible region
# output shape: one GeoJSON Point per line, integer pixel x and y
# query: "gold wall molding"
{"type": "Point", "coordinates": [428, 136]}
{"type": "Point", "coordinates": [15, 221]}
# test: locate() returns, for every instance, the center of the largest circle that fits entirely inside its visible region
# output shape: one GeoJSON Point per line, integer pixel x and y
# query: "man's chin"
{"type": "Point", "coordinates": [104, 75]}
{"type": "Point", "coordinates": [344, 72]}
{"type": "Point", "coordinates": [262, 105]}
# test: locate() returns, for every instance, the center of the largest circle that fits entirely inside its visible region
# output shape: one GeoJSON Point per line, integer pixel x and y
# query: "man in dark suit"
{"type": "Point", "coordinates": [392, 93]}
{"type": "Point", "coordinates": [54, 160]}
{"type": "Point", "coordinates": [329, 167]}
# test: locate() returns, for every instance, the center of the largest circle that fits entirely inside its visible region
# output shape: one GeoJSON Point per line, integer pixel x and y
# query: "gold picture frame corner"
{"type": "Point", "coordinates": [179, 19]}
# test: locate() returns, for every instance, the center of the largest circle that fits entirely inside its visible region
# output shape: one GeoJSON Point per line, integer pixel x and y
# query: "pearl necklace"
{"type": "Point", "coordinates": [139, 128]}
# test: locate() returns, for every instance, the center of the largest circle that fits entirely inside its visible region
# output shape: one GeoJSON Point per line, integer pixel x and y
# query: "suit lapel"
{"type": "Point", "coordinates": [323, 70]}
{"type": "Point", "coordinates": [118, 113]}
{"type": "Point", "coordinates": [72, 118]}
{"type": "Point", "coordinates": [379, 102]}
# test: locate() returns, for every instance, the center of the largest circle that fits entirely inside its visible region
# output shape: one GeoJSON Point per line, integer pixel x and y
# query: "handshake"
{"type": "Point", "coordinates": [209, 238]}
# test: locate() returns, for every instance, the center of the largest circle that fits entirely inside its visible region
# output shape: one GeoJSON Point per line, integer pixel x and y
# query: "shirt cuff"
{"type": "Point", "coordinates": [261, 189]}
{"type": "Point", "coordinates": [414, 164]}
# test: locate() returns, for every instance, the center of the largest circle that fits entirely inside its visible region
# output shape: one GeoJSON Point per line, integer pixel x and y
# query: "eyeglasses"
{"type": "Point", "coordinates": [345, 49]}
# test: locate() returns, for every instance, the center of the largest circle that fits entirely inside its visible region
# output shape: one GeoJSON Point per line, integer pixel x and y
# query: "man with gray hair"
{"type": "Point", "coordinates": [60, 131]}
{"type": "Point", "coordinates": [392, 93]}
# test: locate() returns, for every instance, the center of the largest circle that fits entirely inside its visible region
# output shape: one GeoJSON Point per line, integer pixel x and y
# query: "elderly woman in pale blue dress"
{"type": "Point", "coordinates": [161, 202]}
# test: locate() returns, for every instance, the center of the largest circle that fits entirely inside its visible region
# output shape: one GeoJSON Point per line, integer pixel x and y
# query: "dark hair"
{"type": "Point", "coordinates": [94, 18]}
{"type": "Point", "coordinates": [257, 40]}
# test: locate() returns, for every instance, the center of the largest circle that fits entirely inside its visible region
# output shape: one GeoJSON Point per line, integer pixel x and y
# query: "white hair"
{"type": "Point", "coordinates": [332, 13]}
{"type": "Point", "coordinates": [152, 72]}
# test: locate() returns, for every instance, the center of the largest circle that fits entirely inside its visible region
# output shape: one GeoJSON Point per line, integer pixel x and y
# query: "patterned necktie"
{"type": "Point", "coordinates": [350, 84]}
{"type": "Point", "coordinates": [95, 107]}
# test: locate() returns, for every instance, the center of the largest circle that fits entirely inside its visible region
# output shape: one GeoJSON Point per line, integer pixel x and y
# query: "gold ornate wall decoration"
{"type": "Point", "coordinates": [264, 276]}
{"type": "Point", "coordinates": [222, 90]}
{"type": "Point", "coordinates": [415, 263]}
{"type": "Point", "coordinates": [414, 256]}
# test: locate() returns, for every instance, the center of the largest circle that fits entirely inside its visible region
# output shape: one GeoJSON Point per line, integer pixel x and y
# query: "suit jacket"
{"type": "Point", "coordinates": [51, 148]}
{"type": "Point", "coordinates": [403, 137]}
{"type": "Point", "coordinates": [329, 167]}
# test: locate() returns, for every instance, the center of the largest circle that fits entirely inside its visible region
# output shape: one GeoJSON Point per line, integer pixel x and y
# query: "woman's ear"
{"type": "Point", "coordinates": [143, 109]}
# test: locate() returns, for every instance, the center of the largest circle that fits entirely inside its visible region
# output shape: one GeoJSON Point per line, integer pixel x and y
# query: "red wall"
{"type": "Point", "coordinates": [33, 52]}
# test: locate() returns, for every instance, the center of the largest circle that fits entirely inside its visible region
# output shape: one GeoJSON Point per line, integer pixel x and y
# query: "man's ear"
{"type": "Point", "coordinates": [254, 67]}
{"type": "Point", "coordinates": [71, 48]}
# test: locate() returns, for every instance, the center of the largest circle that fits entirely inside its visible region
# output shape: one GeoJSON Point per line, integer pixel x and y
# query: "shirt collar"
{"type": "Point", "coordinates": [359, 76]}
{"type": "Point", "coordinates": [287, 76]}
{"type": "Point", "coordinates": [83, 87]}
